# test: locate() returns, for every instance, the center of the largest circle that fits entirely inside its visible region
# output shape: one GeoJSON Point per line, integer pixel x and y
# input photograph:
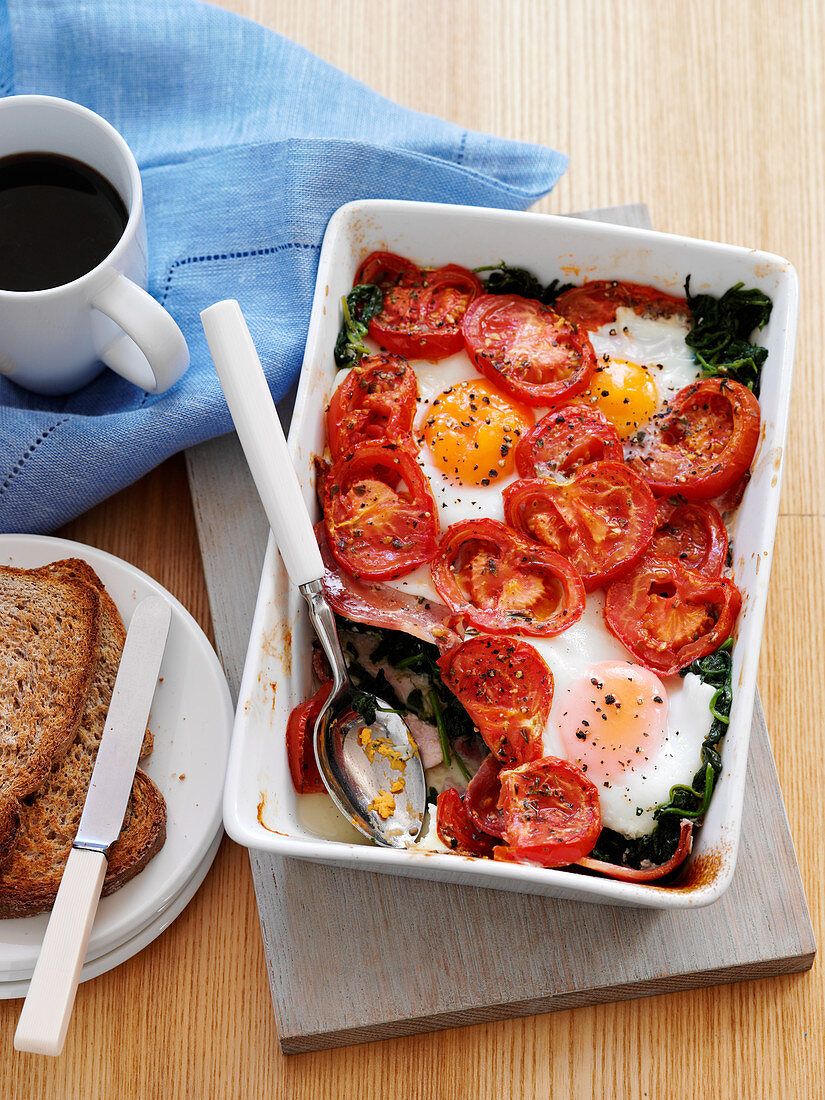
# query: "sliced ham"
{"type": "Point", "coordinates": [426, 737]}
{"type": "Point", "coordinates": [650, 873]}
{"type": "Point", "coordinates": [379, 605]}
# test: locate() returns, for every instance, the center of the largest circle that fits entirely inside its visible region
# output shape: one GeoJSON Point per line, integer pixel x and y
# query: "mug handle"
{"type": "Point", "coordinates": [153, 353]}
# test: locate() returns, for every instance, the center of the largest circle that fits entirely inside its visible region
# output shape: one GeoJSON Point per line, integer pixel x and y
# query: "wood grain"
{"type": "Point", "coordinates": [712, 112]}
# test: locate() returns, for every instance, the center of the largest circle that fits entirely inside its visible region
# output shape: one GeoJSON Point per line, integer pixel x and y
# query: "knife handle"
{"type": "Point", "coordinates": [48, 1006]}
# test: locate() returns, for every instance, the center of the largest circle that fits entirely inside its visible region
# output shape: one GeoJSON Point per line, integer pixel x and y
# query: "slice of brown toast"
{"type": "Point", "coordinates": [49, 643]}
{"type": "Point", "coordinates": [49, 819]}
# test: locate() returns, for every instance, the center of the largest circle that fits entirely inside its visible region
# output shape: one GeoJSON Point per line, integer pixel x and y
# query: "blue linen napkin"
{"type": "Point", "coordinates": [247, 144]}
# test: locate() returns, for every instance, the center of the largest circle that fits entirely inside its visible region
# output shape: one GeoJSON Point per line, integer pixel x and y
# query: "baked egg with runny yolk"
{"type": "Point", "coordinates": [641, 363]}
{"type": "Point", "coordinates": [635, 734]}
{"type": "Point", "coordinates": [624, 392]}
{"type": "Point", "coordinates": [467, 431]}
{"type": "Point", "coordinates": [471, 430]}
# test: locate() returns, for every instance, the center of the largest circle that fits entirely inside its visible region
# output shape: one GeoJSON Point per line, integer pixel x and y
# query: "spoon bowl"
{"type": "Point", "coordinates": [373, 769]}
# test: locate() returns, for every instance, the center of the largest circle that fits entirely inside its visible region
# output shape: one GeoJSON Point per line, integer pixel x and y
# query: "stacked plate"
{"type": "Point", "coordinates": [191, 720]}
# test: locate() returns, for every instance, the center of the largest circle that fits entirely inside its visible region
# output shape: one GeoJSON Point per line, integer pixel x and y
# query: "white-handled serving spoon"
{"type": "Point", "coordinates": [372, 771]}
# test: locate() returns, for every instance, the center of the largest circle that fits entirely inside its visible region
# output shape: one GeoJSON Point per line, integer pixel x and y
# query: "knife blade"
{"type": "Point", "coordinates": [44, 1019]}
{"type": "Point", "coordinates": [117, 757]}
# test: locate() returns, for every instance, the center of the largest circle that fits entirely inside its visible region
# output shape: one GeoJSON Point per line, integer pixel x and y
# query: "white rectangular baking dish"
{"type": "Point", "coordinates": [259, 802]}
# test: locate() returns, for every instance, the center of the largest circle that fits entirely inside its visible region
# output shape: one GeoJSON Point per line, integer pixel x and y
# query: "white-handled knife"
{"type": "Point", "coordinates": [48, 1007]}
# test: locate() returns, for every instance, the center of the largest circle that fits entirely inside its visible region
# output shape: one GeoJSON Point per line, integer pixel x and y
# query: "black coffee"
{"type": "Point", "coordinates": [58, 219]}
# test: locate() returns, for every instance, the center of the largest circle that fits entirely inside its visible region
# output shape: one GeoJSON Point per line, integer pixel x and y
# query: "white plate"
{"type": "Point", "coordinates": [259, 803]}
{"type": "Point", "coordinates": [191, 719]}
{"type": "Point", "coordinates": [19, 987]}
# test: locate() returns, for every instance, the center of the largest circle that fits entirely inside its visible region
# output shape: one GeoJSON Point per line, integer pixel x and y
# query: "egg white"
{"type": "Point", "coordinates": [657, 344]}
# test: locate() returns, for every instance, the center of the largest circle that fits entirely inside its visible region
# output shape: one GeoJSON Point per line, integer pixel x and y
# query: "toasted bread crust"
{"type": "Point", "coordinates": [48, 821]}
{"type": "Point", "coordinates": [49, 644]}
{"type": "Point", "coordinates": [143, 835]}
{"type": "Point", "coordinates": [29, 886]}
{"type": "Point", "coordinates": [79, 570]}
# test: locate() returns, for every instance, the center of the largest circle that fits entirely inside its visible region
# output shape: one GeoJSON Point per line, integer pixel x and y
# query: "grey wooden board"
{"type": "Point", "coordinates": [323, 926]}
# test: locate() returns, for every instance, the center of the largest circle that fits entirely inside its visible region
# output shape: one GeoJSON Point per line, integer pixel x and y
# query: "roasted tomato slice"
{"type": "Point", "coordinates": [506, 688]}
{"type": "Point", "coordinates": [457, 830]}
{"type": "Point", "coordinates": [551, 812]}
{"type": "Point", "coordinates": [423, 309]}
{"type": "Point", "coordinates": [564, 440]}
{"type": "Point", "coordinates": [387, 270]}
{"type": "Point", "coordinates": [379, 512]}
{"type": "Point", "coordinates": [306, 779]}
{"type": "Point", "coordinates": [482, 795]}
{"type": "Point", "coordinates": [667, 615]}
{"type": "Point", "coordinates": [527, 349]}
{"type": "Point", "coordinates": [594, 304]}
{"type": "Point", "coordinates": [602, 520]}
{"type": "Point", "coordinates": [376, 401]}
{"type": "Point", "coordinates": [500, 582]}
{"type": "Point", "coordinates": [703, 442]}
{"type": "Point", "coordinates": [693, 532]}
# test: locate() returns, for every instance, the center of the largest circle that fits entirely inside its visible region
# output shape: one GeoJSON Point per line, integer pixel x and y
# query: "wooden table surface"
{"type": "Point", "coordinates": [714, 114]}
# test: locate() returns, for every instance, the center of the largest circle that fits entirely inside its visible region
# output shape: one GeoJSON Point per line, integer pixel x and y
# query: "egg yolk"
{"type": "Point", "coordinates": [614, 720]}
{"type": "Point", "coordinates": [625, 393]}
{"type": "Point", "coordinates": [471, 431]}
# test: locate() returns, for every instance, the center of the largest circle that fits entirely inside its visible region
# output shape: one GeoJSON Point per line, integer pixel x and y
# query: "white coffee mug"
{"type": "Point", "coordinates": [56, 340]}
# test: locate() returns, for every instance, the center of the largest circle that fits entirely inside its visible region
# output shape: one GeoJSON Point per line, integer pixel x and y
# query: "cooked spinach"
{"type": "Point", "coordinates": [721, 329]}
{"type": "Point", "coordinates": [685, 802]}
{"type": "Point", "coordinates": [518, 280]}
{"type": "Point", "coordinates": [438, 714]}
{"type": "Point", "coordinates": [364, 706]}
{"type": "Point", "coordinates": [657, 847]}
{"type": "Point", "coordinates": [369, 687]}
{"type": "Point", "coordinates": [363, 302]}
{"type": "Point", "coordinates": [363, 703]}
{"type": "Point", "coordinates": [436, 705]}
